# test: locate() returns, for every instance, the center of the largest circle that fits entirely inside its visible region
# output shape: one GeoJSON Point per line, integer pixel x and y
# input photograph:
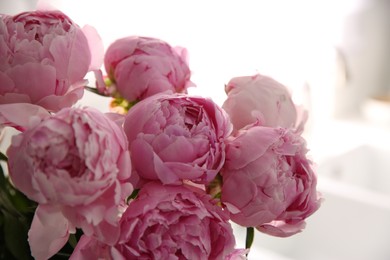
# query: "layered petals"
{"type": "Point", "coordinates": [44, 58]}
{"type": "Point", "coordinates": [76, 161]}
{"type": "Point", "coordinates": [168, 222]}
{"type": "Point", "coordinates": [177, 137]}
{"type": "Point", "coordinates": [278, 186]}
{"type": "Point", "coordinates": [140, 67]}
{"type": "Point", "coordinates": [259, 99]}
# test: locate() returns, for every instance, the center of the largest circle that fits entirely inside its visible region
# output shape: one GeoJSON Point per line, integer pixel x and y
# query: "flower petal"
{"type": "Point", "coordinates": [49, 232]}
{"type": "Point", "coordinates": [21, 115]}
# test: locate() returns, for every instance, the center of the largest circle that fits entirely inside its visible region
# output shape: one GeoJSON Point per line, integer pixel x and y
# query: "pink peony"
{"type": "Point", "coordinates": [277, 184]}
{"type": "Point", "coordinates": [177, 137]}
{"type": "Point", "coordinates": [76, 165]}
{"type": "Point", "coordinates": [167, 222]}
{"type": "Point", "coordinates": [259, 99]}
{"type": "Point", "coordinates": [140, 67]}
{"type": "Point", "coordinates": [44, 57]}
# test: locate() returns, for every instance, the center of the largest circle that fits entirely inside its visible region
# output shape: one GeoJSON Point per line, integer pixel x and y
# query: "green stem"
{"type": "Point", "coordinates": [250, 234]}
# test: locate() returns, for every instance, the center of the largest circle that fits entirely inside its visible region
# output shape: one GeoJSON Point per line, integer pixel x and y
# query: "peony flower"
{"type": "Point", "coordinates": [177, 137]}
{"type": "Point", "coordinates": [44, 57]}
{"type": "Point", "coordinates": [167, 222]}
{"type": "Point", "coordinates": [277, 184]}
{"type": "Point", "coordinates": [140, 67]}
{"type": "Point", "coordinates": [76, 165]}
{"type": "Point", "coordinates": [259, 99]}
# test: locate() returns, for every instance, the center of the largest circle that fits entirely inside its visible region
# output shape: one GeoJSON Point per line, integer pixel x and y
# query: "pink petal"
{"type": "Point", "coordinates": [9, 98]}
{"type": "Point", "coordinates": [96, 47]}
{"type": "Point", "coordinates": [72, 62]}
{"type": "Point", "coordinates": [6, 83]}
{"type": "Point", "coordinates": [34, 79]}
{"type": "Point", "coordinates": [49, 232]}
{"type": "Point", "coordinates": [21, 115]}
{"type": "Point", "coordinates": [56, 103]}
{"type": "Point", "coordinates": [100, 84]}
{"type": "Point", "coordinates": [281, 228]}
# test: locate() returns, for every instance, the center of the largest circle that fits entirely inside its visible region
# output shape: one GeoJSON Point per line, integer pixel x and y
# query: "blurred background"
{"type": "Point", "coordinates": [334, 56]}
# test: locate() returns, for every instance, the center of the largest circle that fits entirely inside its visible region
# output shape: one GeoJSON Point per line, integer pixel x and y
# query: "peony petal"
{"type": "Point", "coordinates": [38, 80]}
{"type": "Point", "coordinates": [250, 145]}
{"type": "Point", "coordinates": [6, 83]}
{"type": "Point", "coordinates": [281, 228]}
{"type": "Point", "coordinates": [49, 232]}
{"type": "Point", "coordinates": [259, 98]}
{"type": "Point", "coordinates": [71, 63]}
{"type": "Point", "coordinates": [56, 103]}
{"type": "Point", "coordinates": [95, 46]}
{"type": "Point", "coordinates": [100, 84]}
{"type": "Point", "coordinates": [89, 248]}
{"type": "Point", "coordinates": [21, 115]}
{"type": "Point", "coordinates": [142, 157]}
{"type": "Point", "coordinates": [9, 98]}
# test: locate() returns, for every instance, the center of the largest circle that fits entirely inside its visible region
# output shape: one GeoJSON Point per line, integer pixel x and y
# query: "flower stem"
{"type": "Point", "coordinates": [250, 234]}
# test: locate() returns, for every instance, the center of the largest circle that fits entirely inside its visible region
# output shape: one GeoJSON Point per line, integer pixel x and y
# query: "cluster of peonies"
{"type": "Point", "coordinates": [162, 181]}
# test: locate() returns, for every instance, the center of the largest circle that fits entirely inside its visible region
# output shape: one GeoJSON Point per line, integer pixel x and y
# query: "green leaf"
{"type": "Point", "coordinates": [15, 236]}
{"type": "Point", "coordinates": [12, 200]}
{"type": "Point", "coordinates": [3, 180]}
{"type": "Point", "coordinates": [3, 157]}
{"type": "Point", "coordinates": [250, 235]}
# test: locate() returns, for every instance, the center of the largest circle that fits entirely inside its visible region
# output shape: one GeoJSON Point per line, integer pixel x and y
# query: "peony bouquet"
{"type": "Point", "coordinates": [161, 176]}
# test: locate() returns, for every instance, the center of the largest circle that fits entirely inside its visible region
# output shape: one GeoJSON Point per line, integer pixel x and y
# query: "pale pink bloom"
{"type": "Point", "coordinates": [167, 222]}
{"type": "Point", "coordinates": [44, 57]}
{"type": "Point", "coordinates": [260, 99]}
{"type": "Point", "coordinates": [177, 137]}
{"type": "Point", "coordinates": [268, 182]}
{"type": "Point", "coordinates": [76, 165]}
{"type": "Point", "coordinates": [142, 66]}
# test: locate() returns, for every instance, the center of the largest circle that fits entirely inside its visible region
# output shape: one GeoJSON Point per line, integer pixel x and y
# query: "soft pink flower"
{"type": "Point", "coordinates": [141, 66]}
{"type": "Point", "coordinates": [260, 99]}
{"type": "Point", "coordinates": [277, 186]}
{"type": "Point", "coordinates": [44, 57]}
{"type": "Point", "coordinates": [177, 137]}
{"type": "Point", "coordinates": [168, 222]}
{"type": "Point", "coordinates": [76, 165]}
